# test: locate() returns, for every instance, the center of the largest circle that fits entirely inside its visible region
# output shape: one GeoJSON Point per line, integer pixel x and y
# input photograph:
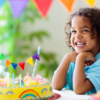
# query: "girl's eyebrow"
{"type": "Point", "coordinates": [82, 27]}
{"type": "Point", "coordinates": [86, 27]}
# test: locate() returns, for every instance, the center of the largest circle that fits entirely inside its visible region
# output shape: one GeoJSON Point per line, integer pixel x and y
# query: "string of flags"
{"type": "Point", "coordinates": [21, 64]}
{"type": "Point", "coordinates": [43, 6]}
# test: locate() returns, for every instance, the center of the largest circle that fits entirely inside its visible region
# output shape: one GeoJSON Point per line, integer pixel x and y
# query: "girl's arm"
{"type": "Point", "coordinates": [82, 85]}
{"type": "Point", "coordinates": [59, 78]}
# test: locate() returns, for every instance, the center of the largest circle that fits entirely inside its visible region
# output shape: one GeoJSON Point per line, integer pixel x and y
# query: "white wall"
{"type": "Point", "coordinates": [58, 16]}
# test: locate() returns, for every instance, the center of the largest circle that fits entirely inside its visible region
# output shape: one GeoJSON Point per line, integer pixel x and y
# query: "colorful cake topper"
{"type": "Point", "coordinates": [7, 62]}
{"type": "Point", "coordinates": [30, 61]}
{"type": "Point", "coordinates": [14, 65]}
{"type": "Point", "coordinates": [22, 65]}
{"type": "Point", "coordinates": [34, 70]}
{"type": "Point", "coordinates": [36, 56]}
{"type": "Point", "coordinates": [2, 57]}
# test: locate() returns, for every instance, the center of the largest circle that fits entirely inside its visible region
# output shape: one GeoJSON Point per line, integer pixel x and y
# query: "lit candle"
{"type": "Point", "coordinates": [27, 79]}
{"type": "Point", "coordinates": [7, 81]}
{"type": "Point", "coordinates": [20, 80]}
{"type": "Point", "coordinates": [13, 79]}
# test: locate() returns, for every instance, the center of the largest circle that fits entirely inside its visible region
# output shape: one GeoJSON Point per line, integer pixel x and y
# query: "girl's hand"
{"type": "Point", "coordinates": [88, 58]}
{"type": "Point", "coordinates": [72, 56]}
{"type": "Point", "coordinates": [87, 63]}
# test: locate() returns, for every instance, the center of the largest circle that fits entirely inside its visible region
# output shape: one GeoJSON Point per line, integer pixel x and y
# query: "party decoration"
{"type": "Point", "coordinates": [27, 79]}
{"type": "Point", "coordinates": [30, 61]}
{"type": "Point", "coordinates": [20, 79]}
{"type": "Point", "coordinates": [17, 7]}
{"type": "Point", "coordinates": [22, 65]}
{"type": "Point", "coordinates": [2, 3]}
{"type": "Point", "coordinates": [29, 92]}
{"type": "Point", "coordinates": [68, 4]}
{"type": "Point", "coordinates": [2, 57]}
{"type": "Point", "coordinates": [13, 77]}
{"type": "Point", "coordinates": [91, 2]}
{"type": "Point", "coordinates": [14, 65]}
{"type": "Point", "coordinates": [43, 6]}
{"type": "Point", "coordinates": [36, 56]}
{"type": "Point", "coordinates": [7, 81]}
{"type": "Point", "coordinates": [7, 62]}
{"type": "Point", "coordinates": [34, 70]}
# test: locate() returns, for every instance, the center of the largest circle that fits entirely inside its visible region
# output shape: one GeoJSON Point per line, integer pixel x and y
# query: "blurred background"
{"type": "Point", "coordinates": [21, 36]}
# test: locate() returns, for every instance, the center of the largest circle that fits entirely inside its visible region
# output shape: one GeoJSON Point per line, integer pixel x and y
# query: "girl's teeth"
{"type": "Point", "coordinates": [80, 44]}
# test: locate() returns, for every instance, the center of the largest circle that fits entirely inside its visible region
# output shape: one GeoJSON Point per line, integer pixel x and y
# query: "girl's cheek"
{"type": "Point", "coordinates": [72, 42]}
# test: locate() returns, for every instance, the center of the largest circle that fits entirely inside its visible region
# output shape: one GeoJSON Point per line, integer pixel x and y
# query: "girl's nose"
{"type": "Point", "coordinates": [78, 35]}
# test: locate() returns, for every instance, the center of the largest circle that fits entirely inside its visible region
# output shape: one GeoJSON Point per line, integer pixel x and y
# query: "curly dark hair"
{"type": "Point", "coordinates": [93, 14]}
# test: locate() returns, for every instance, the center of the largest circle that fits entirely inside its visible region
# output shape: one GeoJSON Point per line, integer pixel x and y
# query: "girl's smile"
{"type": "Point", "coordinates": [81, 38]}
{"type": "Point", "coordinates": [80, 44]}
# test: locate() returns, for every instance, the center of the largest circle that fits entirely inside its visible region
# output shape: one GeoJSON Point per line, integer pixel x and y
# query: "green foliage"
{"type": "Point", "coordinates": [19, 41]}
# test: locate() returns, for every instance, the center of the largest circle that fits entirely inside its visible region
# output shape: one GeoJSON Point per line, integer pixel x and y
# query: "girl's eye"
{"type": "Point", "coordinates": [85, 31]}
{"type": "Point", "coordinates": [73, 31]}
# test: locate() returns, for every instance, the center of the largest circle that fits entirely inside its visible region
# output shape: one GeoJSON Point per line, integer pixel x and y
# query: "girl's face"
{"type": "Point", "coordinates": [81, 39]}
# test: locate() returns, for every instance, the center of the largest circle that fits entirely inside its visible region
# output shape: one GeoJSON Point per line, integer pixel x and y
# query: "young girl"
{"type": "Point", "coordinates": [80, 69]}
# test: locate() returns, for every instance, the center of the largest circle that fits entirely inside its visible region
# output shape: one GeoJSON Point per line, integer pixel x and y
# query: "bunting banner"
{"type": "Point", "coordinates": [22, 65]}
{"type": "Point", "coordinates": [14, 65]}
{"type": "Point", "coordinates": [2, 3]}
{"type": "Point", "coordinates": [91, 2]}
{"type": "Point", "coordinates": [2, 57]}
{"type": "Point", "coordinates": [43, 6]}
{"type": "Point", "coordinates": [30, 61]}
{"type": "Point", "coordinates": [17, 7]}
{"type": "Point", "coordinates": [36, 56]}
{"type": "Point", "coordinates": [68, 4]}
{"type": "Point", "coordinates": [7, 62]}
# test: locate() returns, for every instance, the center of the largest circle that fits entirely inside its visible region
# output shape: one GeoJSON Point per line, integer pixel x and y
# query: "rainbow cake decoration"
{"type": "Point", "coordinates": [26, 88]}
{"type": "Point", "coordinates": [38, 88]}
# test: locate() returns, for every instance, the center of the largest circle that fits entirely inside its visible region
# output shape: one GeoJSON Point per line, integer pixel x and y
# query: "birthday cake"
{"type": "Point", "coordinates": [25, 88]}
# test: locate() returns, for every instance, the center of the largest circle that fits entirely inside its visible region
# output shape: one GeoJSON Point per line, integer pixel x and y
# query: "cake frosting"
{"type": "Point", "coordinates": [38, 88]}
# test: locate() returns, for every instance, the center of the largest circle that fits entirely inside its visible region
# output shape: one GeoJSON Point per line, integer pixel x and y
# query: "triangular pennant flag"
{"type": "Point", "coordinates": [36, 56]}
{"type": "Point", "coordinates": [2, 3]}
{"type": "Point", "coordinates": [43, 6]}
{"type": "Point", "coordinates": [2, 57]}
{"type": "Point", "coordinates": [14, 65]}
{"type": "Point", "coordinates": [17, 7]}
{"type": "Point", "coordinates": [91, 2]}
{"type": "Point", "coordinates": [68, 4]}
{"type": "Point", "coordinates": [7, 62]}
{"type": "Point", "coordinates": [30, 61]}
{"type": "Point", "coordinates": [22, 65]}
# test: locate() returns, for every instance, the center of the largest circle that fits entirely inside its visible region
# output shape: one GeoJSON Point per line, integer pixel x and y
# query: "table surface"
{"type": "Point", "coordinates": [70, 95]}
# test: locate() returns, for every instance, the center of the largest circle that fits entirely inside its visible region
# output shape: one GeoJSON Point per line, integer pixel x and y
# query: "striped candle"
{"type": "Point", "coordinates": [7, 81]}
{"type": "Point", "coordinates": [20, 80]}
{"type": "Point", "coordinates": [35, 65]}
{"type": "Point", "coordinates": [27, 79]}
{"type": "Point", "coordinates": [13, 79]}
